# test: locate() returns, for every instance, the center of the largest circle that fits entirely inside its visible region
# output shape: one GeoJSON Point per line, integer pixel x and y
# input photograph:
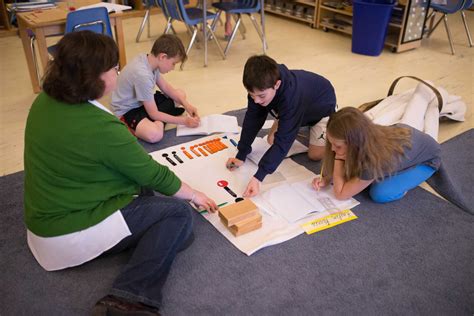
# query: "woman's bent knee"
{"type": "Point", "coordinates": [184, 210]}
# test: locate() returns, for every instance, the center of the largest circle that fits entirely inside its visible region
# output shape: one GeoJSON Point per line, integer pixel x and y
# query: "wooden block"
{"type": "Point", "coordinates": [237, 212]}
{"type": "Point", "coordinates": [255, 218]}
{"type": "Point", "coordinates": [238, 231]}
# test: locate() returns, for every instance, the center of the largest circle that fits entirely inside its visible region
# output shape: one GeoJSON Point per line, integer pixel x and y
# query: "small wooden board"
{"type": "Point", "coordinates": [251, 226]}
{"type": "Point", "coordinates": [255, 218]}
{"type": "Point", "coordinates": [238, 212]}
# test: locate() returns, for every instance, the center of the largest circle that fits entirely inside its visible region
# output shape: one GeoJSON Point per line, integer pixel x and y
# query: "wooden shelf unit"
{"type": "Point", "coordinates": [4, 17]}
{"type": "Point", "coordinates": [300, 10]}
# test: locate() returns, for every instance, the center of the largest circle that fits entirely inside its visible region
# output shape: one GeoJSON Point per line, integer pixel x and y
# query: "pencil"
{"type": "Point", "coordinates": [222, 204]}
{"type": "Point", "coordinates": [205, 211]}
{"type": "Point", "coordinates": [321, 173]}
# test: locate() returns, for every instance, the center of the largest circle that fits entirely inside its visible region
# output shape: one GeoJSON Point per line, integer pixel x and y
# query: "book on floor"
{"type": "Point", "coordinates": [215, 123]}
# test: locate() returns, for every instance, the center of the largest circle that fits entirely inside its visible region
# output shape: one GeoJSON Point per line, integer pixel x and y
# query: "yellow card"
{"type": "Point", "coordinates": [328, 221]}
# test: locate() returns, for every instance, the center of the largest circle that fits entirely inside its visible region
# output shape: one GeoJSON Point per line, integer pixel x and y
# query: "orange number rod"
{"type": "Point", "coordinates": [186, 153]}
{"type": "Point", "coordinates": [194, 151]}
{"type": "Point", "coordinates": [202, 151]}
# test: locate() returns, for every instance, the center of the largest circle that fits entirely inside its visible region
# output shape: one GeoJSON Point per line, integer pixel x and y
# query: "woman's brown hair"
{"type": "Point", "coordinates": [80, 59]}
{"type": "Point", "coordinates": [370, 147]}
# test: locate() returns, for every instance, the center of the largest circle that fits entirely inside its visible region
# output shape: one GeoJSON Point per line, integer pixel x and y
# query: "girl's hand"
{"type": "Point", "coordinates": [202, 201]}
{"type": "Point", "coordinates": [340, 157]}
{"type": "Point", "coordinates": [318, 183]}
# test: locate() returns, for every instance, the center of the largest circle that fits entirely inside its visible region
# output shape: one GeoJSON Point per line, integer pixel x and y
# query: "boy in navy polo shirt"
{"type": "Point", "coordinates": [295, 98]}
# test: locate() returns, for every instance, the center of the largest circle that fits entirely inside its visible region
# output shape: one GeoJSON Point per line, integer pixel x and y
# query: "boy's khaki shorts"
{"type": "Point", "coordinates": [317, 132]}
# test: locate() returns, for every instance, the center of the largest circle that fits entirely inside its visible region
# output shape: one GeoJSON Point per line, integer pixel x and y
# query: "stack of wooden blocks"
{"type": "Point", "coordinates": [241, 217]}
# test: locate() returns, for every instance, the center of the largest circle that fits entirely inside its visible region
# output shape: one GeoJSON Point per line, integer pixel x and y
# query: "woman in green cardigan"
{"type": "Point", "coordinates": [84, 174]}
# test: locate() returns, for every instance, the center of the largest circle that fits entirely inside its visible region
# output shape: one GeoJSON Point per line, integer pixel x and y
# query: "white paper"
{"type": "Point", "coordinates": [111, 7]}
{"type": "Point", "coordinates": [203, 173]}
{"type": "Point", "coordinates": [215, 123]}
{"type": "Point", "coordinates": [294, 201]}
{"type": "Point", "coordinates": [32, 6]}
{"type": "Point", "coordinates": [285, 201]}
{"type": "Point", "coordinates": [268, 124]}
{"type": "Point", "coordinates": [261, 145]}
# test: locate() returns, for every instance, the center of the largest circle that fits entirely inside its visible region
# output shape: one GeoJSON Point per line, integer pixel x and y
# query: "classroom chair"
{"type": "Point", "coordinates": [191, 17]}
{"type": "Point", "coordinates": [93, 19]}
{"type": "Point", "coordinates": [451, 7]}
{"type": "Point", "coordinates": [239, 8]}
{"type": "Point", "coordinates": [146, 18]}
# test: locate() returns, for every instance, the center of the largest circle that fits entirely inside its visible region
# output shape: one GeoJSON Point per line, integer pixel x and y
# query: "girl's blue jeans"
{"type": "Point", "coordinates": [394, 187]}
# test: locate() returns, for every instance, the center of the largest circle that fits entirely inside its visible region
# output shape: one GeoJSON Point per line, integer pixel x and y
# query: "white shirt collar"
{"type": "Point", "coordinates": [100, 106]}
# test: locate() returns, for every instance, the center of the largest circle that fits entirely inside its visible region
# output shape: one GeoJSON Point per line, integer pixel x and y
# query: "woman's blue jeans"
{"type": "Point", "coordinates": [160, 227]}
{"type": "Point", "coordinates": [396, 186]}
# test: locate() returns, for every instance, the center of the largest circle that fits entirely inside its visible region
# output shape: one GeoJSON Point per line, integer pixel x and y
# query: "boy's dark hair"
{"type": "Point", "coordinates": [170, 45]}
{"type": "Point", "coordinates": [260, 72]}
{"type": "Point", "coordinates": [80, 59]}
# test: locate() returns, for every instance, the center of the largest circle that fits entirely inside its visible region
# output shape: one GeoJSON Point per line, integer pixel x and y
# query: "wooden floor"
{"type": "Point", "coordinates": [218, 87]}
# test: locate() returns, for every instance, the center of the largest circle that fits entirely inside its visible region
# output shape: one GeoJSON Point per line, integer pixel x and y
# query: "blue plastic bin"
{"type": "Point", "coordinates": [369, 25]}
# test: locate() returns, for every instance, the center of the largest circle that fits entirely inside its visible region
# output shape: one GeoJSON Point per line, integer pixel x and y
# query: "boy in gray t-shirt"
{"type": "Point", "coordinates": [135, 102]}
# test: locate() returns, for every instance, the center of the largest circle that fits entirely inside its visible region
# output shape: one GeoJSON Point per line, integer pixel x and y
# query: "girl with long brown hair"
{"type": "Point", "coordinates": [389, 159]}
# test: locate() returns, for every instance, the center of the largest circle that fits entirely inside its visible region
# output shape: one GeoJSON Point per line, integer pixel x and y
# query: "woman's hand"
{"type": "Point", "coordinates": [202, 201]}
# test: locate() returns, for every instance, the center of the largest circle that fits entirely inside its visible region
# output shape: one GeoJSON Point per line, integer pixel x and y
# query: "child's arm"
{"type": "Point", "coordinates": [179, 96]}
{"type": "Point", "coordinates": [271, 133]}
{"type": "Point", "coordinates": [151, 109]}
{"type": "Point", "coordinates": [346, 189]}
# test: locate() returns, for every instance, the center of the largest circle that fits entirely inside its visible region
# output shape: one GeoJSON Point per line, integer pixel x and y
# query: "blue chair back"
{"type": "Point", "coordinates": [177, 11]}
{"type": "Point", "coordinates": [161, 4]}
{"type": "Point", "coordinates": [255, 4]}
{"type": "Point", "coordinates": [172, 9]}
{"type": "Point", "coordinates": [238, 6]}
{"type": "Point", "coordinates": [93, 19]}
{"type": "Point", "coordinates": [467, 4]}
{"type": "Point", "coordinates": [156, 3]}
{"type": "Point", "coordinates": [452, 6]}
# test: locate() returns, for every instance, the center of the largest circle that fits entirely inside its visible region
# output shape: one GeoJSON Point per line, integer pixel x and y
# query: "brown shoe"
{"type": "Point", "coordinates": [111, 305]}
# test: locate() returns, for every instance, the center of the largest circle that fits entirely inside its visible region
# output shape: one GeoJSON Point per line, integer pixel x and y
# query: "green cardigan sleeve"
{"type": "Point", "coordinates": [120, 151]}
